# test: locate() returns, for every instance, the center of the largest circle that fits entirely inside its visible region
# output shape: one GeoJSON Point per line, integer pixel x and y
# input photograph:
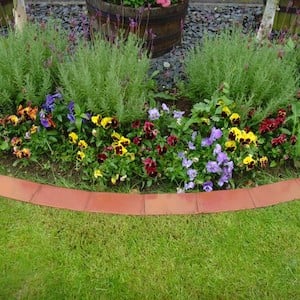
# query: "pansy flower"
{"type": "Point", "coordinates": [207, 186]}
{"type": "Point", "coordinates": [13, 119]}
{"type": "Point", "coordinates": [82, 144]}
{"type": "Point", "coordinates": [263, 162]}
{"type": "Point", "coordinates": [249, 162]}
{"type": "Point", "coordinates": [226, 111]}
{"type": "Point", "coordinates": [16, 141]}
{"type": "Point", "coordinates": [172, 140]}
{"type": "Point", "coordinates": [101, 157]}
{"type": "Point", "coordinates": [98, 173]}
{"type": "Point", "coordinates": [80, 155]}
{"type": "Point", "coordinates": [119, 148]}
{"type": "Point", "coordinates": [73, 137]}
{"type": "Point", "coordinates": [235, 119]}
{"type": "Point", "coordinates": [278, 140]}
{"type": "Point", "coordinates": [230, 146]}
{"type": "Point", "coordinates": [96, 120]}
{"type": "Point", "coordinates": [161, 149]}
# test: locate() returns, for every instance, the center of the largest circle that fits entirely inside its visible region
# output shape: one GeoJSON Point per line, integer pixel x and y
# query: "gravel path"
{"type": "Point", "coordinates": [200, 19]}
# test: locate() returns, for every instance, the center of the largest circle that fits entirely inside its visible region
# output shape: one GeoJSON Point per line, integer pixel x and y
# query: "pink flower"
{"type": "Point", "coordinates": [164, 3]}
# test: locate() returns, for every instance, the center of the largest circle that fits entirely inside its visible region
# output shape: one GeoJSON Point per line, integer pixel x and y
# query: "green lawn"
{"type": "Point", "coordinates": [54, 254]}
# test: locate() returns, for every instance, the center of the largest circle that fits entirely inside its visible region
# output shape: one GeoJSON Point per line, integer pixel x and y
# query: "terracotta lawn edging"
{"type": "Point", "coordinates": [149, 204]}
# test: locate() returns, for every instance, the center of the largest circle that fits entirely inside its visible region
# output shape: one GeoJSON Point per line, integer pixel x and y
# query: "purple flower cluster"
{"type": "Point", "coordinates": [49, 104]}
{"type": "Point", "coordinates": [215, 134]}
{"type": "Point", "coordinates": [71, 113]}
{"type": "Point", "coordinates": [191, 173]}
{"type": "Point", "coordinates": [222, 166]}
{"type": "Point", "coordinates": [47, 109]}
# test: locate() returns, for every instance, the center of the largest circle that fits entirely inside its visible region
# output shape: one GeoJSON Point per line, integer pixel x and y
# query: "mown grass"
{"type": "Point", "coordinates": [55, 254]}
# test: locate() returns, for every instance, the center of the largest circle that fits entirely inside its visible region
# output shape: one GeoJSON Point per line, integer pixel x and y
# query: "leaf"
{"type": "Point", "coordinates": [165, 96]}
{"type": "Point", "coordinates": [77, 109]}
{"type": "Point", "coordinates": [59, 118]}
{"type": "Point", "coordinates": [215, 118]}
{"type": "Point", "coordinates": [200, 107]}
{"type": "Point", "coordinates": [285, 130]}
{"type": "Point", "coordinates": [4, 146]}
{"type": "Point", "coordinates": [155, 73]}
{"type": "Point", "coordinates": [273, 164]}
{"type": "Point", "coordinates": [52, 139]}
{"type": "Point", "coordinates": [78, 123]}
{"type": "Point", "coordinates": [189, 122]}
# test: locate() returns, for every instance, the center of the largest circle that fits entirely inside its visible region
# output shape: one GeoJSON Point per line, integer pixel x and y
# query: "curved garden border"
{"type": "Point", "coordinates": [149, 204]}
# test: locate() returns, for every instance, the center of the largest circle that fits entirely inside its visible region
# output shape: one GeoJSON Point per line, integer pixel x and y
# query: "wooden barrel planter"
{"type": "Point", "coordinates": [287, 18]}
{"type": "Point", "coordinates": [160, 27]}
{"type": "Point", "coordinates": [6, 14]}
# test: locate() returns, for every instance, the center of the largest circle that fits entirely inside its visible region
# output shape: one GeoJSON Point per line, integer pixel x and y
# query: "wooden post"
{"type": "Point", "coordinates": [19, 13]}
{"type": "Point", "coordinates": [267, 21]}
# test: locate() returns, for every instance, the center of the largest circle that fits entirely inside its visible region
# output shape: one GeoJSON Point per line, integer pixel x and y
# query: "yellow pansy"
{"type": "Point", "coordinates": [13, 119]}
{"type": "Point", "coordinates": [98, 173]}
{"type": "Point", "coordinates": [96, 120]}
{"type": "Point", "coordinates": [234, 133]}
{"type": "Point", "coordinates": [131, 156]}
{"type": "Point", "coordinates": [205, 121]}
{"type": "Point", "coordinates": [114, 179]}
{"type": "Point", "coordinates": [235, 119]}
{"type": "Point", "coordinates": [230, 146]}
{"type": "Point", "coordinates": [220, 102]}
{"type": "Point", "coordinates": [252, 137]}
{"type": "Point", "coordinates": [105, 122]}
{"type": "Point", "coordinates": [124, 141]}
{"type": "Point", "coordinates": [263, 161]}
{"type": "Point", "coordinates": [73, 137]}
{"type": "Point", "coordinates": [119, 148]}
{"type": "Point", "coordinates": [80, 155]}
{"type": "Point", "coordinates": [249, 162]}
{"type": "Point", "coordinates": [33, 129]}
{"type": "Point", "coordinates": [116, 136]}
{"type": "Point", "coordinates": [82, 144]}
{"type": "Point", "coordinates": [226, 111]}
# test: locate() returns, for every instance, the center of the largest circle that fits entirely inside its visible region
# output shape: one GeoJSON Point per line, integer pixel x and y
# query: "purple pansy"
{"type": "Point", "coordinates": [49, 104]}
{"type": "Point", "coordinates": [70, 115]}
{"type": "Point", "coordinates": [153, 114]}
{"type": "Point", "coordinates": [181, 154]}
{"type": "Point", "coordinates": [165, 107]}
{"type": "Point", "coordinates": [206, 142]}
{"type": "Point", "coordinates": [222, 158]}
{"type": "Point", "coordinates": [178, 114]}
{"type": "Point", "coordinates": [189, 186]}
{"type": "Point", "coordinates": [192, 173]}
{"type": "Point", "coordinates": [186, 162]}
{"type": "Point", "coordinates": [213, 167]}
{"type": "Point", "coordinates": [217, 149]}
{"type": "Point", "coordinates": [191, 146]}
{"type": "Point", "coordinates": [207, 186]}
{"type": "Point", "coordinates": [215, 133]}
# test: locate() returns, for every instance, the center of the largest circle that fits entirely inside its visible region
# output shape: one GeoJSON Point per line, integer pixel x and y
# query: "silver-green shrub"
{"type": "Point", "coordinates": [109, 79]}
{"type": "Point", "coordinates": [29, 64]}
{"type": "Point", "coordinates": [259, 78]}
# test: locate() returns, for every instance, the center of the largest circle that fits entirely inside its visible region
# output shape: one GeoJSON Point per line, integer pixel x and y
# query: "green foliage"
{"type": "Point", "coordinates": [258, 78]}
{"type": "Point", "coordinates": [110, 79]}
{"type": "Point", "coordinates": [28, 65]}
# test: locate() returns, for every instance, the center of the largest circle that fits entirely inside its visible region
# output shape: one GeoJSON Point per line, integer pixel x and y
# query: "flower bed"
{"type": "Point", "coordinates": [204, 149]}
